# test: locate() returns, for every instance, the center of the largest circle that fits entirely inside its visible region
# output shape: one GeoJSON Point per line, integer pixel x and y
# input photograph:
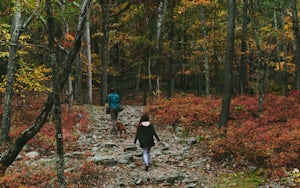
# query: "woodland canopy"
{"type": "Point", "coordinates": [155, 52]}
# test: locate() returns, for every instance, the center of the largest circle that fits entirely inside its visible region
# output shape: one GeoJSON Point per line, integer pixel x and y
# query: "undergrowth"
{"type": "Point", "coordinates": [270, 141]}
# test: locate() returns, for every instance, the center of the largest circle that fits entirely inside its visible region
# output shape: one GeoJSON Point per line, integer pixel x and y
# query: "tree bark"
{"type": "Point", "coordinates": [9, 156]}
{"type": "Point", "coordinates": [278, 51]}
{"type": "Point", "coordinates": [260, 71]}
{"type": "Point", "coordinates": [224, 116]}
{"type": "Point", "coordinates": [89, 59]}
{"type": "Point", "coordinates": [161, 14]}
{"type": "Point", "coordinates": [104, 50]}
{"type": "Point", "coordinates": [11, 66]}
{"type": "Point", "coordinates": [171, 51]}
{"type": "Point", "coordinates": [206, 65]}
{"type": "Point", "coordinates": [243, 69]}
{"type": "Point", "coordinates": [286, 78]}
{"type": "Point", "coordinates": [56, 97]}
{"type": "Point", "coordinates": [78, 80]}
{"type": "Point", "coordinates": [297, 40]}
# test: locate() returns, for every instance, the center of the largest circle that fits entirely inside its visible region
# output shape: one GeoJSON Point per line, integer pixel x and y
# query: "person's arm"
{"type": "Point", "coordinates": [155, 134]}
{"type": "Point", "coordinates": [107, 99]}
{"type": "Point", "coordinates": [107, 102]}
{"type": "Point", "coordinates": [136, 136]}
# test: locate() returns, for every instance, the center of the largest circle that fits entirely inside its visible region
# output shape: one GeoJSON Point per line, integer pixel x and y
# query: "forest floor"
{"type": "Point", "coordinates": [109, 161]}
{"type": "Point", "coordinates": [177, 161]}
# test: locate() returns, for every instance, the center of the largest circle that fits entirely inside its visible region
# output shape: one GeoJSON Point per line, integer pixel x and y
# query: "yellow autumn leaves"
{"type": "Point", "coordinates": [29, 79]}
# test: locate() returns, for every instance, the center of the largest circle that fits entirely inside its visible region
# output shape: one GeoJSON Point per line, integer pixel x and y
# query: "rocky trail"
{"type": "Point", "coordinates": [109, 161]}
{"type": "Point", "coordinates": [175, 161]}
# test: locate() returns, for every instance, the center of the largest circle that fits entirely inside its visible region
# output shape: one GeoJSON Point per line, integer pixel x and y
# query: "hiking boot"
{"type": "Point", "coordinates": [114, 132]}
{"type": "Point", "coordinates": [147, 167]}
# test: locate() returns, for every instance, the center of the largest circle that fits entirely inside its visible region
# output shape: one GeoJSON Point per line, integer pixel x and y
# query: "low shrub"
{"type": "Point", "coordinates": [270, 141]}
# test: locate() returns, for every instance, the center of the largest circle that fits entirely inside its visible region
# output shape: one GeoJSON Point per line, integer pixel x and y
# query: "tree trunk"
{"type": "Point", "coordinates": [280, 80]}
{"type": "Point", "coordinates": [224, 116]}
{"type": "Point", "coordinates": [104, 49]}
{"type": "Point", "coordinates": [89, 59]}
{"type": "Point", "coordinates": [171, 51]}
{"type": "Point", "coordinates": [56, 97]}
{"type": "Point", "coordinates": [149, 73]}
{"type": "Point", "coordinates": [215, 59]}
{"type": "Point", "coordinates": [243, 69]}
{"type": "Point", "coordinates": [260, 71]}
{"type": "Point", "coordinates": [297, 40]}
{"type": "Point", "coordinates": [286, 78]}
{"type": "Point", "coordinates": [161, 12]}
{"type": "Point", "coordinates": [206, 65]}
{"type": "Point", "coordinates": [78, 80]}
{"type": "Point", "coordinates": [11, 66]}
{"type": "Point", "coordinates": [69, 94]}
{"type": "Point", "coordinates": [9, 156]}
{"type": "Point", "coordinates": [138, 79]}
{"type": "Point", "coordinates": [260, 76]}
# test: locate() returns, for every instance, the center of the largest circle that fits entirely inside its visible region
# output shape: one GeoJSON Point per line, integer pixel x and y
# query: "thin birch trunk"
{"type": "Point", "coordinates": [162, 9]}
{"type": "Point", "coordinates": [89, 59]}
{"type": "Point", "coordinates": [11, 66]}
{"type": "Point", "coordinates": [206, 65]}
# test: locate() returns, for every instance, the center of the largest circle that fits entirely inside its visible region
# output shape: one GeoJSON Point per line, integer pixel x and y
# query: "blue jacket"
{"type": "Point", "coordinates": [114, 100]}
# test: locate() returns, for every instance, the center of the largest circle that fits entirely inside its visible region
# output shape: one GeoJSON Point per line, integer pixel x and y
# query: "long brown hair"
{"type": "Point", "coordinates": [145, 117]}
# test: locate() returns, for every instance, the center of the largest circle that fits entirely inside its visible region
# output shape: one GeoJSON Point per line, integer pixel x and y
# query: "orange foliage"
{"type": "Point", "coordinates": [19, 178]}
{"type": "Point", "coordinates": [45, 139]}
{"type": "Point", "coordinates": [271, 141]}
{"type": "Point", "coordinates": [187, 110]}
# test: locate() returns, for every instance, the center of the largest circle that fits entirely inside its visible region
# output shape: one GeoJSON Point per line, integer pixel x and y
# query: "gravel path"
{"type": "Point", "coordinates": [115, 162]}
{"type": "Point", "coordinates": [176, 161]}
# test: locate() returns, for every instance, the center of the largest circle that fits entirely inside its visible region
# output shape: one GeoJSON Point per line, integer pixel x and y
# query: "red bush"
{"type": "Point", "coordinates": [271, 141]}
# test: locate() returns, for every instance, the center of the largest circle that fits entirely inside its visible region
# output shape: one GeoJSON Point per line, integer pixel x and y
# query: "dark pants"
{"type": "Point", "coordinates": [114, 117]}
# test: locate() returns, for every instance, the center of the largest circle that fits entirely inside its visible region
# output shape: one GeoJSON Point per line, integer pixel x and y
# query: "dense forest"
{"type": "Point", "coordinates": [241, 57]}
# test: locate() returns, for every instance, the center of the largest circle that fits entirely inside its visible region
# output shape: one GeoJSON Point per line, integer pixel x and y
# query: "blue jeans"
{"type": "Point", "coordinates": [146, 155]}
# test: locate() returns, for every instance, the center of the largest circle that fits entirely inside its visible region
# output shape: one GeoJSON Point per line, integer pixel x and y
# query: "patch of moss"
{"type": "Point", "coordinates": [239, 180]}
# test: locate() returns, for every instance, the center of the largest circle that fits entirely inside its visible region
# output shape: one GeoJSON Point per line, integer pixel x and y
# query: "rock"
{"type": "Point", "coordinates": [192, 141]}
{"type": "Point", "coordinates": [131, 147]}
{"type": "Point", "coordinates": [138, 182]}
{"type": "Point", "coordinates": [32, 154]}
{"type": "Point", "coordinates": [76, 154]}
{"type": "Point", "coordinates": [125, 159]}
{"type": "Point", "coordinates": [109, 144]}
{"type": "Point", "coordinates": [104, 160]}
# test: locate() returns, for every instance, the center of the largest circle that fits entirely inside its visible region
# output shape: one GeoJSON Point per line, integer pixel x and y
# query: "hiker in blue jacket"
{"type": "Point", "coordinates": [113, 100]}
